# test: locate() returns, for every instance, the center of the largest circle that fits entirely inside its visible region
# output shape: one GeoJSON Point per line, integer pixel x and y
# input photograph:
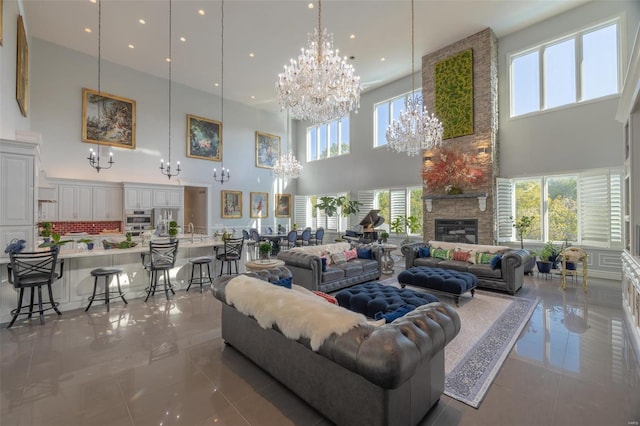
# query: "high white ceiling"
{"type": "Point", "coordinates": [274, 31]}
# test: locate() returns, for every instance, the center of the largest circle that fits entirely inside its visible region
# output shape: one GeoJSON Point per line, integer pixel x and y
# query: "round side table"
{"type": "Point", "coordinates": [258, 265]}
{"type": "Point", "coordinates": [387, 260]}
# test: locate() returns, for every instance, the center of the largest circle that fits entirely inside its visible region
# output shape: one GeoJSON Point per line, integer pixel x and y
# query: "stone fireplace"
{"type": "Point", "coordinates": [475, 203]}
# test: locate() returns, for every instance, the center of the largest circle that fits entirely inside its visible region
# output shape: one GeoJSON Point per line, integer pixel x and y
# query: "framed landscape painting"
{"type": "Point", "coordinates": [283, 205]}
{"type": "Point", "coordinates": [204, 138]}
{"type": "Point", "coordinates": [231, 204]}
{"type": "Point", "coordinates": [267, 150]}
{"type": "Point", "coordinates": [259, 204]}
{"type": "Point", "coordinates": [108, 119]}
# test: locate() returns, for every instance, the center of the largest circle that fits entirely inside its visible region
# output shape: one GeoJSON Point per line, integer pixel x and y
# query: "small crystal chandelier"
{"type": "Point", "coordinates": [414, 130]}
{"type": "Point", "coordinates": [224, 175]}
{"type": "Point", "coordinates": [94, 157]}
{"type": "Point", "coordinates": [287, 167]}
{"type": "Point", "coordinates": [166, 170]}
{"type": "Point", "coordinates": [320, 86]}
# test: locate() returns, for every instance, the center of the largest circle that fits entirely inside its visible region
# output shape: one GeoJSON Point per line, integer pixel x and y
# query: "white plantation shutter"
{"type": "Point", "coordinates": [615, 191]}
{"type": "Point", "coordinates": [302, 211]}
{"type": "Point", "coordinates": [505, 209]}
{"type": "Point", "coordinates": [595, 208]}
{"type": "Point", "coordinates": [366, 199]}
{"type": "Point", "coordinates": [397, 204]}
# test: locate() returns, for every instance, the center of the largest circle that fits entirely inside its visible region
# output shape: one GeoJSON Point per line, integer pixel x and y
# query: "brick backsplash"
{"type": "Point", "coordinates": [88, 227]}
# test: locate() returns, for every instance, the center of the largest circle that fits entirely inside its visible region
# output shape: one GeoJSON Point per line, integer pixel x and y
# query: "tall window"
{"type": "Point", "coordinates": [580, 67]}
{"type": "Point", "coordinates": [584, 208]}
{"type": "Point", "coordinates": [328, 140]}
{"type": "Point", "coordinates": [387, 111]}
{"type": "Point", "coordinates": [400, 202]}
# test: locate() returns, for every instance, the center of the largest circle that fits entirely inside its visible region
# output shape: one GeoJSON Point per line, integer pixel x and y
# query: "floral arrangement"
{"type": "Point", "coordinates": [452, 170]}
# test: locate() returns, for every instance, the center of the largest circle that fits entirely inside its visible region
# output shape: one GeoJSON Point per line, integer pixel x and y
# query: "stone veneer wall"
{"type": "Point", "coordinates": [485, 115]}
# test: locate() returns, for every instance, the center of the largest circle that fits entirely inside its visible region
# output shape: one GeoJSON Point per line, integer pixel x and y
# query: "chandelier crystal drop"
{"type": "Point", "coordinates": [414, 130]}
{"type": "Point", "coordinates": [287, 167]}
{"type": "Point", "coordinates": [319, 86]}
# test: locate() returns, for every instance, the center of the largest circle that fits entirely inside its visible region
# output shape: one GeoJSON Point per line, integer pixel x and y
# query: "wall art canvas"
{"type": "Point", "coordinates": [204, 138]}
{"type": "Point", "coordinates": [283, 205]}
{"type": "Point", "coordinates": [267, 150]}
{"type": "Point", "coordinates": [453, 88]}
{"type": "Point", "coordinates": [108, 119]}
{"type": "Point", "coordinates": [259, 204]}
{"type": "Point", "coordinates": [22, 69]}
{"type": "Point", "coordinates": [231, 204]}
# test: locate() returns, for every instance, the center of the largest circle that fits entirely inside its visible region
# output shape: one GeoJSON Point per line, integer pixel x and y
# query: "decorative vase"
{"type": "Point", "coordinates": [90, 246]}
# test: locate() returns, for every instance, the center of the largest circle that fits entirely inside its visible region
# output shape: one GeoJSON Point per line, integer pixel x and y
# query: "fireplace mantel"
{"type": "Point", "coordinates": [481, 196]}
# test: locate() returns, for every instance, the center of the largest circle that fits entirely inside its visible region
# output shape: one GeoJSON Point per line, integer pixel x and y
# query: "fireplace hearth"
{"type": "Point", "coordinates": [457, 230]}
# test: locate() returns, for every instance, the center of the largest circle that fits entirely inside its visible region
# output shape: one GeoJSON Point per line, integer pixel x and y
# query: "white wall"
{"type": "Point", "coordinates": [57, 78]}
{"type": "Point", "coordinates": [10, 117]}
{"type": "Point", "coordinates": [572, 138]}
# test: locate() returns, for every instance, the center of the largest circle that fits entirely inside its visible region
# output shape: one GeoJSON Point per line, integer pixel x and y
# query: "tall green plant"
{"type": "Point", "coordinates": [523, 225]}
{"type": "Point", "coordinates": [329, 205]}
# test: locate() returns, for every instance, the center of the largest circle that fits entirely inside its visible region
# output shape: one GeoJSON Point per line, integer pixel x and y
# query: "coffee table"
{"type": "Point", "coordinates": [258, 265]}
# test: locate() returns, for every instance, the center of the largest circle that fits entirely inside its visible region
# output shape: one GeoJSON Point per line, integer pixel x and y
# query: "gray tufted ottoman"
{"type": "Point", "coordinates": [438, 279]}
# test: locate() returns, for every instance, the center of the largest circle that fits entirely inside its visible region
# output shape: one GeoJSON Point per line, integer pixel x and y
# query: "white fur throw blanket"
{"type": "Point", "coordinates": [297, 314]}
{"type": "Point", "coordinates": [324, 248]}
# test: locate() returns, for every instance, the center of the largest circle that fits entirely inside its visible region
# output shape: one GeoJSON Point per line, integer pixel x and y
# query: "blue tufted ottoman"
{"type": "Point", "coordinates": [445, 280]}
{"type": "Point", "coordinates": [372, 298]}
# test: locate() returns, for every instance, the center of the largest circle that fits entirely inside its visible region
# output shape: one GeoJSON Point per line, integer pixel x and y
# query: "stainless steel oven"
{"type": "Point", "coordinates": [138, 221]}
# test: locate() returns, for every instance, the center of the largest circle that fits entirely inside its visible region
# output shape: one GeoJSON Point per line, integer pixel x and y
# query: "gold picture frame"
{"type": "Point", "coordinates": [267, 150]}
{"type": "Point", "coordinates": [283, 205]}
{"type": "Point", "coordinates": [259, 205]}
{"type": "Point", "coordinates": [22, 69]}
{"type": "Point", "coordinates": [231, 204]}
{"type": "Point", "coordinates": [108, 119]}
{"type": "Point", "coordinates": [204, 138]}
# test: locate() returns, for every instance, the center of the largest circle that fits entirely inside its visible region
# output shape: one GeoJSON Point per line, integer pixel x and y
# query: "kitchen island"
{"type": "Point", "coordinates": [76, 284]}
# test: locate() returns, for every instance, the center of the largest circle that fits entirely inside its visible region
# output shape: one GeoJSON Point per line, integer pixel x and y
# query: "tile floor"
{"type": "Point", "coordinates": [163, 363]}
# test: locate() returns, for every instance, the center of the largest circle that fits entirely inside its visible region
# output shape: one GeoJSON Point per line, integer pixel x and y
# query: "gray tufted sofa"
{"type": "Point", "coordinates": [509, 277]}
{"type": "Point", "coordinates": [307, 268]}
{"type": "Point", "coordinates": [387, 375]}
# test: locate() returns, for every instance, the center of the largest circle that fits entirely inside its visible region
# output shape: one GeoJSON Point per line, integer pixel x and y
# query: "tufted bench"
{"type": "Point", "coordinates": [444, 280]}
{"type": "Point", "coordinates": [373, 298]}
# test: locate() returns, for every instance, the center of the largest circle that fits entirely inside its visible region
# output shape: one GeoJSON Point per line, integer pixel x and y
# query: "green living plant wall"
{"type": "Point", "coordinates": [454, 94]}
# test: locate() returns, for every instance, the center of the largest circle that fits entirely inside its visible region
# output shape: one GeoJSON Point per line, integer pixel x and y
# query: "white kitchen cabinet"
{"type": "Point", "coordinates": [107, 203]}
{"type": "Point", "coordinates": [75, 203]}
{"type": "Point", "coordinates": [17, 189]}
{"type": "Point", "coordinates": [167, 197]}
{"type": "Point", "coordinates": [138, 198]}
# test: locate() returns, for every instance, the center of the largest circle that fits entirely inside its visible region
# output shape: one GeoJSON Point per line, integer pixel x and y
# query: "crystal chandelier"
{"type": "Point", "coordinates": [224, 175]}
{"type": "Point", "coordinates": [287, 167]}
{"type": "Point", "coordinates": [94, 157]}
{"type": "Point", "coordinates": [414, 130]}
{"type": "Point", "coordinates": [320, 86]}
{"type": "Point", "coordinates": [166, 170]}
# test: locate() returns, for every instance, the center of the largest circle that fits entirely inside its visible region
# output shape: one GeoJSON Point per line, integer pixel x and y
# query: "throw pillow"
{"type": "Point", "coordinates": [390, 316]}
{"type": "Point", "coordinates": [461, 256]}
{"type": "Point", "coordinates": [283, 282]}
{"type": "Point", "coordinates": [364, 253]}
{"type": "Point", "coordinates": [325, 296]}
{"type": "Point", "coordinates": [441, 254]}
{"type": "Point", "coordinates": [424, 252]}
{"type": "Point", "coordinates": [483, 258]}
{"type": "Point", "coordinates": [338, 258]}
{"type": "Point", "coordinates": [351, 254]}
{"type": "Point", "coordinates": [496, 261]}
{"type": "Point", "coordinates": [324, 263]}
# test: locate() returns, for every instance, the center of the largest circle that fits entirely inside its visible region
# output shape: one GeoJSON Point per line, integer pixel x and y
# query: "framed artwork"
{"type": "Point", "coordinates": [22, 69]}
{"type": "Point", "coordinates": [204, 138]}
{"type": "Point", "coordinates": [259, 204]}
{"type": "Point", "coordinates": [108, 119]}
{"type": "Point", "coordinates": [231, 204]}
{"type": "Point", "coordinates": [267, 150]}
{"type": "Point", "coordinates": [283, 205]}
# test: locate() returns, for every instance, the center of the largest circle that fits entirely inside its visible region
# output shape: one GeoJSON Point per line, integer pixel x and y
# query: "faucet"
{"type": "Point", "coordinates": [191, 228]}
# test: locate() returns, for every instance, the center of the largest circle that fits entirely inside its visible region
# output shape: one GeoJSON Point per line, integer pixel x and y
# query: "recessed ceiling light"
{"type": "Point", "coordinates": [93, 1]}
{"type": "Point", "coordinates": [216, 84]}
{"type": "Point", "coordinates": [87, 30]}
{"type": "Point", "coordinates": [167, 59]}
{"type": "Point", "coordinates": [142, 21]}
{"type": "Point", "coordinates": [310, 6]}
{"type": "Point", "coordinates": [201, 12]}
{"type": "Point", "coordinates": [253, 97]}
{"type": "Point", "coordinates": [382, 59]}
{"type": "Point", "coordinates": [131, 46]}
{"type": "Point", "coordinates": [183, 39]}
{"type": "Point", "coordinates": [252, 55]}
{"type": "Point", "coordinates": [352, 36]}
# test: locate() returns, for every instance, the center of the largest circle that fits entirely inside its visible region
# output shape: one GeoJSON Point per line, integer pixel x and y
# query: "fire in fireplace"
{"type": "Point", "coordinates": [457, 230]}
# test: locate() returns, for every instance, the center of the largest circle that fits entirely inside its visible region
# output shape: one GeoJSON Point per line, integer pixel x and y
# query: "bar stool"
{"type": "Point", "coordinates": [199, 262]}
{"type": "Point", "coordinates": [107, 273]}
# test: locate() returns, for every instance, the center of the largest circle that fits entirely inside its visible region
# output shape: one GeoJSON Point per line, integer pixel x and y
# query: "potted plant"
{"type": "Point", "coordinates": [384, 236]}
{"type": "Point", "coordinates": [553, 252]}
{"type": "Point", "coordinates": [45, 230]}
{"type": "Point", "coordinates": [348, 207]}
{"type": "Point", "coordinates": [88, 242]}
{"type": "Point", "coordinates": [397, 225]}
{"type": "Point", "coordinates": [523, 224]}
{"type": "Point", "coordinates": [173, 230]}
{"type": "Point", "coordinates": [55, 242]}
{"type": "Point", "coordinates": [264, 249]}
{"type": "Point", "coordinates": [329, 205]}
{"type": "Point", "coordinates": [544, 264]}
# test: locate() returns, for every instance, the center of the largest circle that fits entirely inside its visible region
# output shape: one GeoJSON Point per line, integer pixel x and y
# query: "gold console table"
{"type": "Point", "coordinates": [575, 255]}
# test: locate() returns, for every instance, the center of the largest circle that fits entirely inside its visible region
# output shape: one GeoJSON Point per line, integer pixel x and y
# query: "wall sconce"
{"type": "Point", "coordinates": [427, 158]}
{"type": "Point", "coordinates": [483, 150]}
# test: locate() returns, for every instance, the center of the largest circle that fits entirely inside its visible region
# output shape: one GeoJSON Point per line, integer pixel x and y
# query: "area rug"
{"type": "Point", "coordinates": [490, 325]}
